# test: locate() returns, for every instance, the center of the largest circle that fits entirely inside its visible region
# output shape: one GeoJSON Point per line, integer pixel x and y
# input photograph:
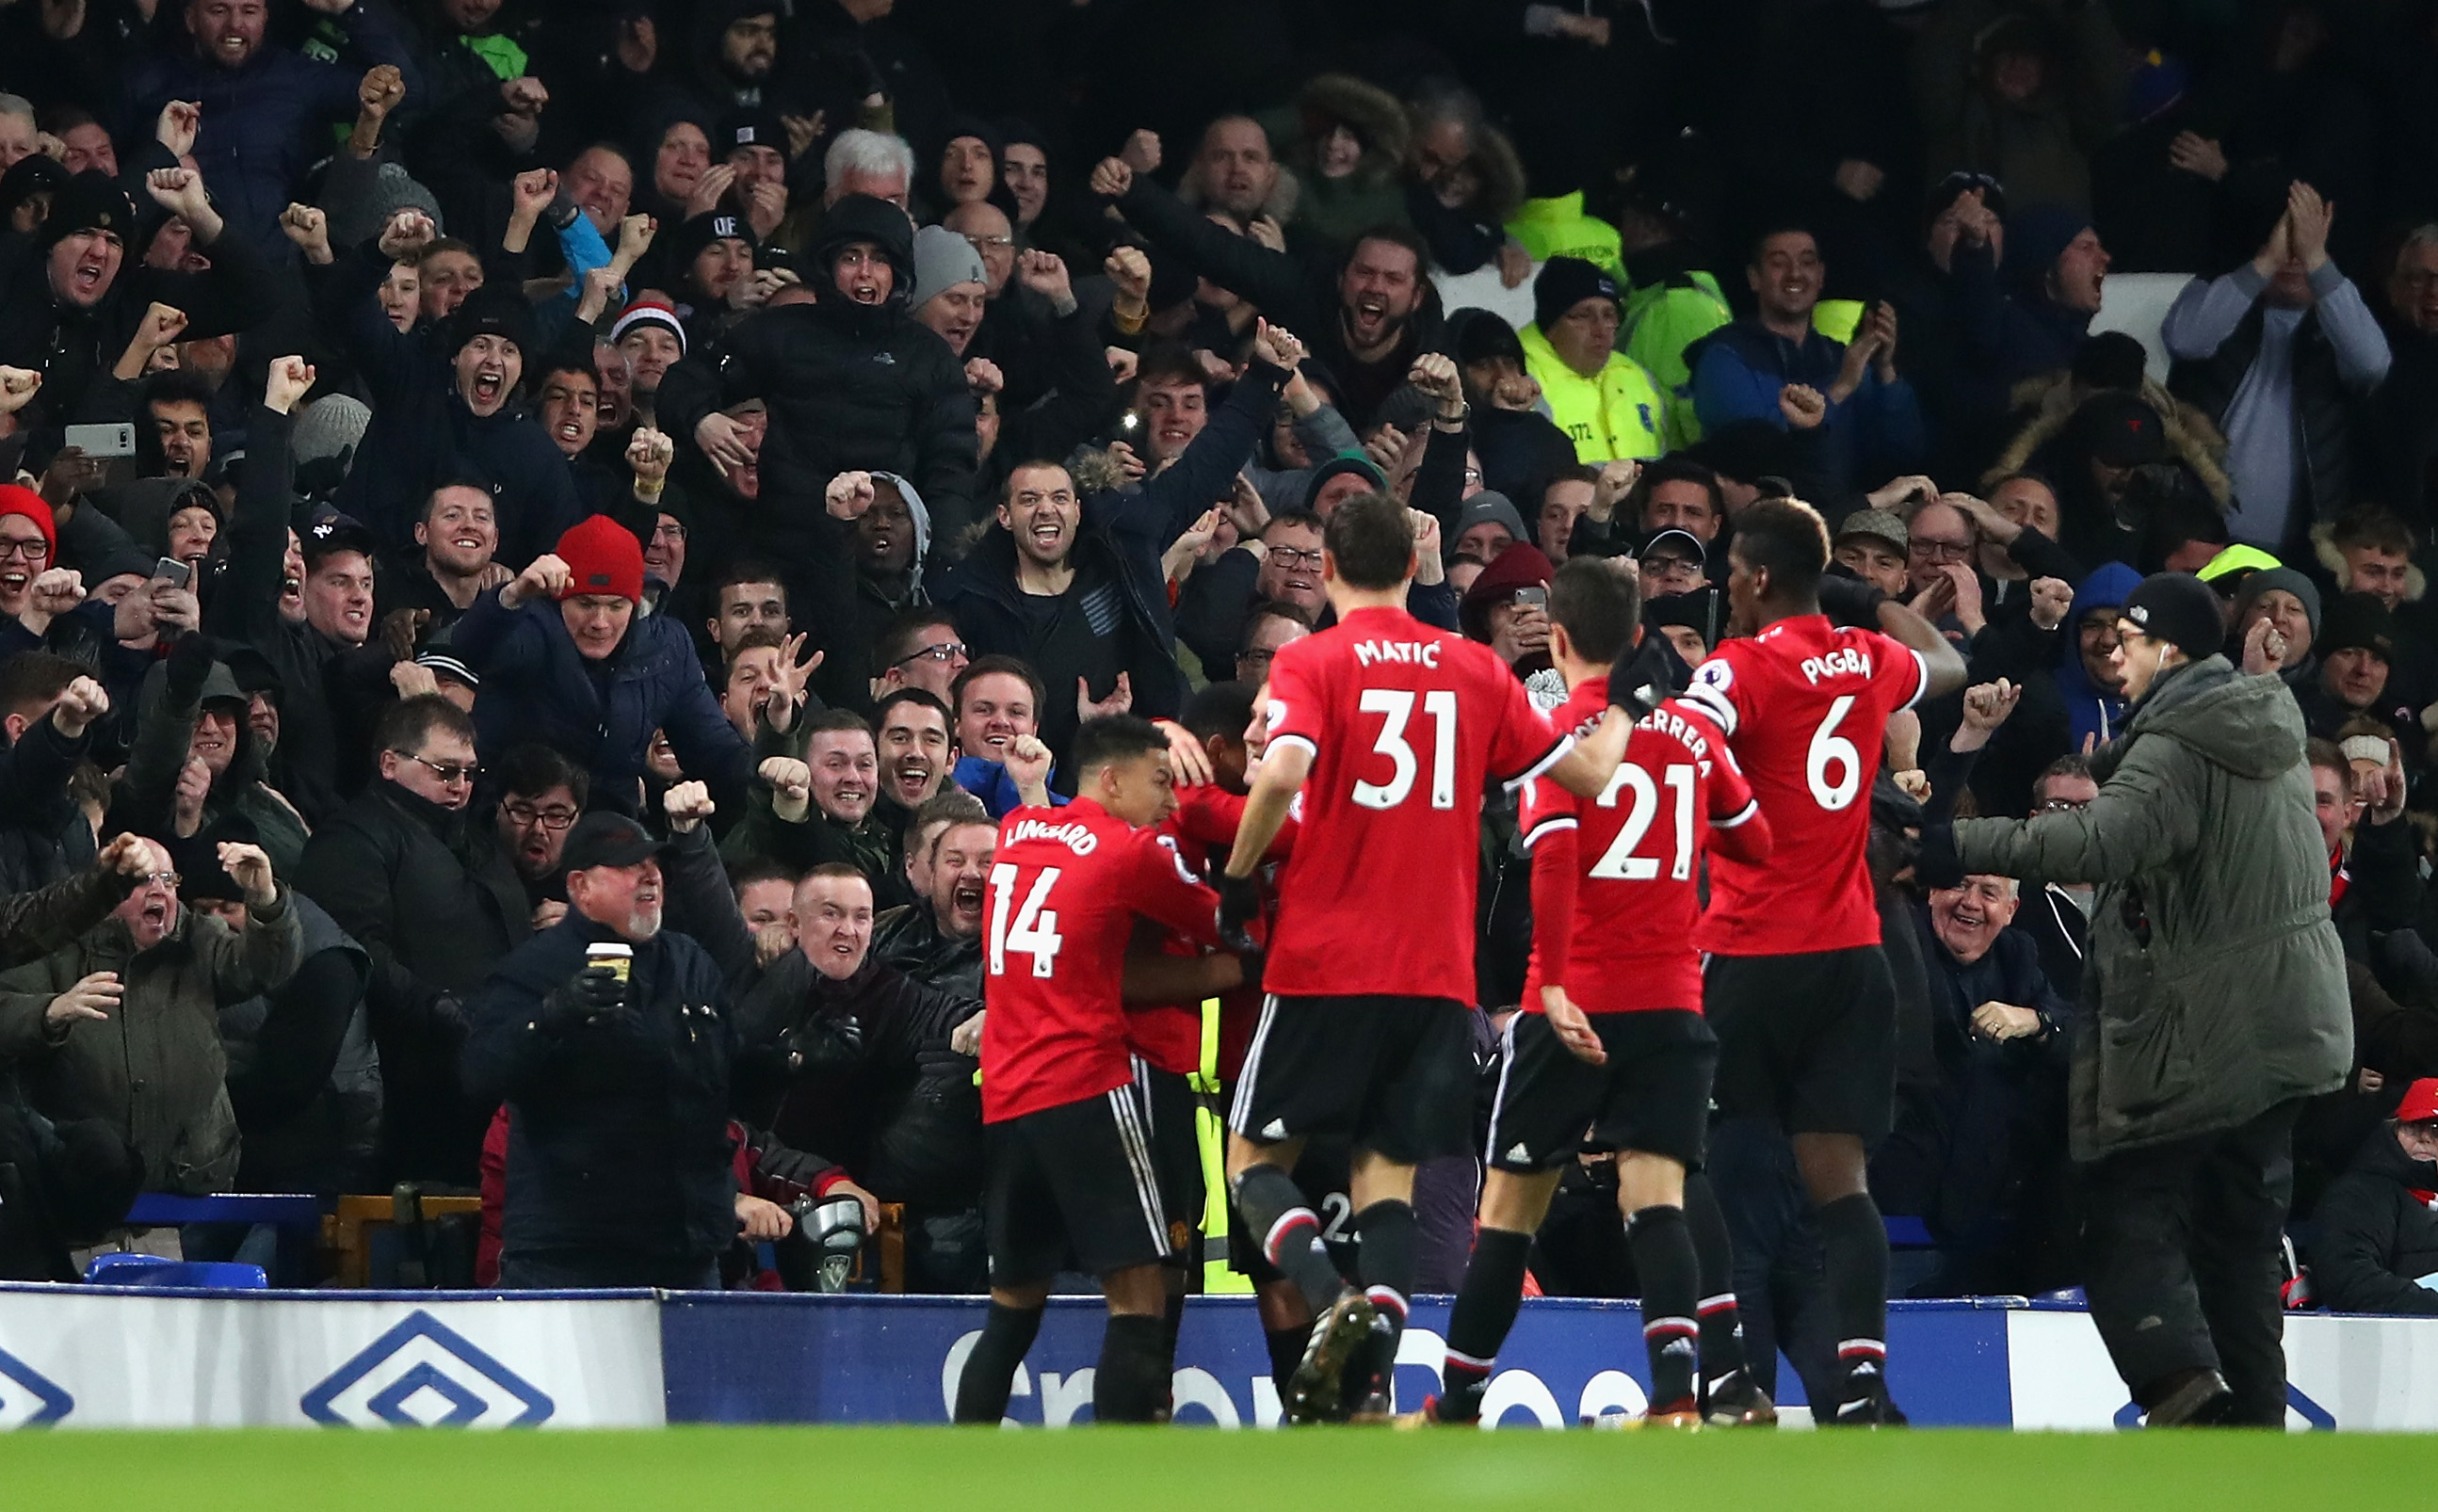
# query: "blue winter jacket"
{"type": "Point", "coordinates": [2092, 709]}
{"type": "Point", "coordinates": [536, 686]}
{"type": "Point", "coordinates": [1876, 433]}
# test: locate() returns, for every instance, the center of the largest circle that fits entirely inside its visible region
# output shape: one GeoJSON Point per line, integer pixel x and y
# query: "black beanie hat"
{"type": "Point", "coordinates": [2178, 608]}
{"type": "Point", "coordinates": [92, 202]}
{"type": "Point", "coordinates": [2358, 620]}
{"type": "Point", "coordinates": [1565, 282]}
{"type": "Point", "coordinates": [494, 309]}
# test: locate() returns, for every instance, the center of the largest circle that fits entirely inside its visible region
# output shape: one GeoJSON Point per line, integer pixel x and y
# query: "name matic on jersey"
{"type": "Point", "coordinates": [1846, 662]}
{"type": "Point", "coordinates": [1413, 653]}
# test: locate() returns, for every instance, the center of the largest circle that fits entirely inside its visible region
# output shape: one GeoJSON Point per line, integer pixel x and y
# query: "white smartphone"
{"type": "Point", "coordinates": [113, 440]}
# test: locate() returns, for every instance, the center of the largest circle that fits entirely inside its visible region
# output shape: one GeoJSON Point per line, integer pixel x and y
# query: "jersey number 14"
{"type": "Point", "coordinates": [1032, 930]}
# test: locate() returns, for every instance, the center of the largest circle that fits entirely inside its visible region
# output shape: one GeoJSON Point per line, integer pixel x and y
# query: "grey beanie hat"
{"type": "Point", "coordinates": [359, 217]}
{"type": "Point", "coordinates": [2281, 577]}
{"type": "Point", "coordinates": [1486, 507]}
{"type": "Point", "coordinates": [944, 259]}
{"type": "Point", "coordinates": [330, 425]}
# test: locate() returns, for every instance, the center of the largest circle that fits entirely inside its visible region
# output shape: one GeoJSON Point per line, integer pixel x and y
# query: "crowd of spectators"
{"type": "Point", "coordinates": [487, 469]}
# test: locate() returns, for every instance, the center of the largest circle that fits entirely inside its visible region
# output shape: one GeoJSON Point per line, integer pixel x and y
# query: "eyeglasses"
{"type": "Point", "coordinates": [525, 814]}
{"type": "Point", "coordinates": [1288, 557]}
{"type": "Point", "coordinates": [668, 530]}
{"type": "Point", "coordinates": [32, 551]}
{"type": "Point", "coordinates": [2062, 805]}
{"type": "Point", "coordinates": [983, 243]}
{"type": "Point", "coordinates": [1472, 475]}
{"type": "Point", "coordinates": [1938, 551]}
{"type": "Point", "coordinates": [446, 771]}
{"type": "Point", "coordinates": [163, 879]}
{"type": "Point", "coordinates": [945, 651]}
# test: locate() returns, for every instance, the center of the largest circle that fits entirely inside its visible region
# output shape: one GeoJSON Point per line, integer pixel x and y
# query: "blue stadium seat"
{"type": "Point", "coordinates": [152, 1270]}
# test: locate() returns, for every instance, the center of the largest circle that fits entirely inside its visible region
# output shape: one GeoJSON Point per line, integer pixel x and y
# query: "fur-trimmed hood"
{"type": "Point", "coordinates": [1374, 115]}
{"type": "Point", "coordinates": [2324, 546]}
{"type": "Point", "coordinates": [2192, 439]}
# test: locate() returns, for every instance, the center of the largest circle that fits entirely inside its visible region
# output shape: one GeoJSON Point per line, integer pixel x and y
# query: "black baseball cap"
{"type": "Point", "coordinates": [1674, 541]}
{"type": "Point", "coordinates": [604, 840]}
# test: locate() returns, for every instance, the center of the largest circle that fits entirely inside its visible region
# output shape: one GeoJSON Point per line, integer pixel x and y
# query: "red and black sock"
{"type": "Point", "coordinates": [1274, 1207]}
{"type": "Point", "coordinates": [1485, 1310]}
{"type": "Point", "coordinates": [1662, 1256]}
{"type": "Point", "coordinates": [1723, 1326]}
{"type": "Point", "coordinates": [1855, 1244]}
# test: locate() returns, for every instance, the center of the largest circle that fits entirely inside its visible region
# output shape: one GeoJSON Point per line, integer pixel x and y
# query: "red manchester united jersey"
{"type": "Point", "coordinates": [1804, 705]}
{"type": "Point", "coordinates": [1626, 941]}
{"type": "Point", "coordinates": [1405, 722]}
{"type": "Point", "coordinates": [1169, 1036]}
{"type": "Point", "coordinates": [1065, 889]}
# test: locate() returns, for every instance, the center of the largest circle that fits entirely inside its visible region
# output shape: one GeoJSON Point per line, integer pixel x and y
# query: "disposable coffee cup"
{"type": "Point", "coordinates": [619, 958]}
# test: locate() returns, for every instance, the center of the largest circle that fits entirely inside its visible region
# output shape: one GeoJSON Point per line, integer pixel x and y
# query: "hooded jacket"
{"type": "Point", "coordinates": [156, 1068]}
{"type": "Point", "coordinates": [2378, 1232]}
{"type": "Point", "coordinates": [2215, 987]}
{"type": "Point", "coordinates": [849, 387]}
{"type": "Point", "coordinates": [2091, 710]}
{"type": "Point", "coordinates": [240, 806]}
{"type": "Point", "coordinates": [1739, 369]}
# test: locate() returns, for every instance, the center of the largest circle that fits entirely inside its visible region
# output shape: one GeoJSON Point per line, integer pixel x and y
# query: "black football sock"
{"type": "Point", "coordinates": [1722, 1323]}
{"type": "Point", "coordinates": [1387, 1259]}
{"type": "Point", "coordinates": [1855, 1245]}
{"type": "Point", "coordinates": [1485, 1308]}
{"type": "Point", "coordinates": [1170, 1322]}
{"type": "Point", "coordinates": [1672, 1279]}
{"type": "Point", "coordinates": [1287, 1352]}
{"type": "Point", "coordinates": [1274, 1208]}
{"type": "Point", "coordinates": [1130, 1385]}
{"type": "Point", "coordinates": [990, 1370]}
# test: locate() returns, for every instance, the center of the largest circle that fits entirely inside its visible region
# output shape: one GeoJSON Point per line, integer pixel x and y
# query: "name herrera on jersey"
{"type": "Point", "coordinates": [1073, 837]}
{"type": "Point", "coordinates": [1412, 653]}
{"type": "Point", "coordinates": [1846, 662]}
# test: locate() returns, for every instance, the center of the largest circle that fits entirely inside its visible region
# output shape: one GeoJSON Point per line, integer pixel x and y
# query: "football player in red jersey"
{"type": "Point", "coordinates": [1797, 989]}
{"type": "Point", "coordinates": [1610, 1038]}
{"type": "Point", "coordinates": [1389, 730]}
{"type": "Point", "coordinates": [1069, 1159]}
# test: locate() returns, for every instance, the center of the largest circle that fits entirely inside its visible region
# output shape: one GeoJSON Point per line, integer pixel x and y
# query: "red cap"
{"type": "Point", "coordinates": [605, 557]}
{"type": "Point", "coordinates": [2420, 1102]}
{"type": "Point", "coordinates": [16, 499]}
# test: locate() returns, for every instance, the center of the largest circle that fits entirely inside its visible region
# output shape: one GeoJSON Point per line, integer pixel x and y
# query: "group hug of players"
{"type": "Point", "coordinates": [1342, 876]}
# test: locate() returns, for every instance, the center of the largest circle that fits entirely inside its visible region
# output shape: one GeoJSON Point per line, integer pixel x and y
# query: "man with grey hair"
{"type": "Point", "coordinates": [19, 137]}
{"type": "Point", "coordinates": [1980, 1126]}
{"type": "Point", "coordinates": [873, 163]}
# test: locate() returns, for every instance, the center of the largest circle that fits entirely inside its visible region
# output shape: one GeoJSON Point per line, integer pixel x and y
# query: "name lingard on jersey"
{"type": "Point", "coordinates": [1845, 661]}
{"type": "Point", "coordinates": [1073, 837]}
{"type": "Point", "coordinates": [1410, 653]}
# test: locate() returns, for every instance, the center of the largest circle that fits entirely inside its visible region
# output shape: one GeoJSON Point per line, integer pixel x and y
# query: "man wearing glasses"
{"type": "Point", "coordinates": [542, 796]}
{"type": "Point", "coordinates": [922, 649]}
{"type": "Point", "coordinates": [1941, 546]}
{"type": "Point", "coordinates": [425, 885]}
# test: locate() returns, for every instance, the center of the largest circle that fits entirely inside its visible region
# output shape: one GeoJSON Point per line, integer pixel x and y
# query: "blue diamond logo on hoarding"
{"type": "Point", "coordinates": [2316, 1417]}
{"type": "Point", "coordinates": [29, 1398]}
{"type": "Point", "coordinates": [424, 1374]}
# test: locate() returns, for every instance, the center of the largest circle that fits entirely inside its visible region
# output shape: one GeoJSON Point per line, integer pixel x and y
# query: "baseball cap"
{"type": "Point", "coordinates": [2420, 1104]}
{"type": "Point", "coordinates": [1676, 542]}
{"type": "Point", "coordinates": [603, 839]}
{"type": "Point", "coordinates": [332, 533]}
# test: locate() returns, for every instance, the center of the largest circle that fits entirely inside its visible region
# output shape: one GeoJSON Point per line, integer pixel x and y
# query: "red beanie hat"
{"type": "Point", "coordinates": [605, 557]}
{"type": "Point", "coordinates": [16, 499]}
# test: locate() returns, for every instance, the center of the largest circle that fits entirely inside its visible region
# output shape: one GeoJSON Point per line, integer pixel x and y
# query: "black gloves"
{"type": "Point", "coordinates": [189, 667]}
{"type": "Point", "coordinates": [1240, 902]}
{"type": "Point", "coordinates": [591, 996]}
{"type": "Point", "coordinates": [1934, 861]}
{"type": "Point", "coordinates": [1850, 602]}
{"type": "Point", "coordinates": [824, 1044]}
{"type": "Point", "coordinates": [1644, 676]}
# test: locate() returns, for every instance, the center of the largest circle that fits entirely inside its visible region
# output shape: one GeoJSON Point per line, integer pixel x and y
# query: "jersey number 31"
{"type": "Point", "coordinates": [1396, 707]}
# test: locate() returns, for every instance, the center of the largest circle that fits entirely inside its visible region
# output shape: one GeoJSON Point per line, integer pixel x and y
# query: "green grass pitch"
{"type": "Point", "coordinates": [1088, 1469]}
